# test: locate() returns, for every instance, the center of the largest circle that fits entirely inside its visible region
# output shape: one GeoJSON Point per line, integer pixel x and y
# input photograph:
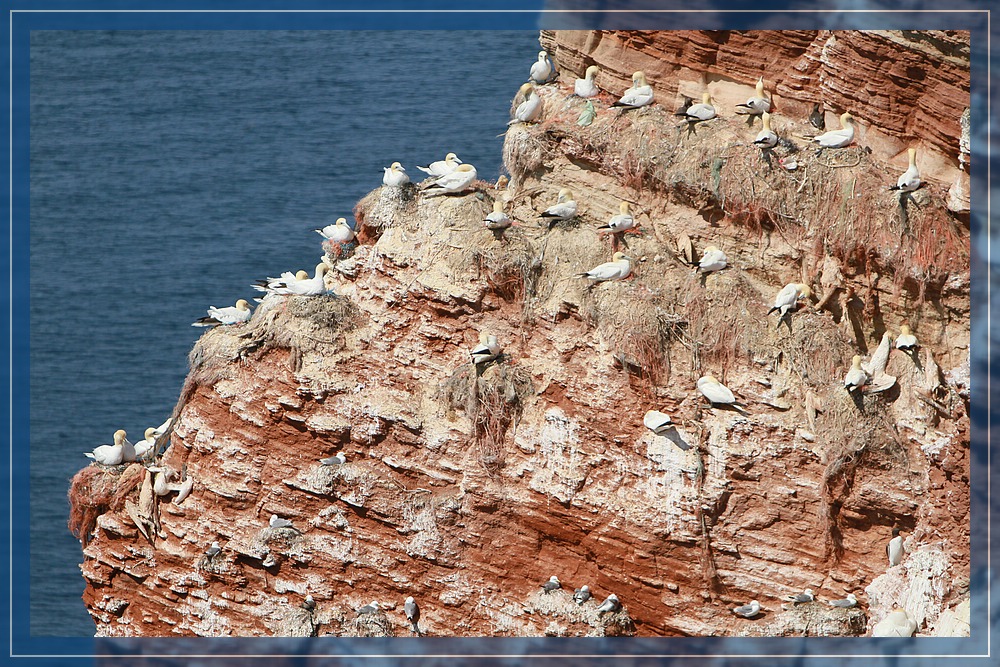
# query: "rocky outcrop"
{"type": "Point", "coordinates": [467, 487]}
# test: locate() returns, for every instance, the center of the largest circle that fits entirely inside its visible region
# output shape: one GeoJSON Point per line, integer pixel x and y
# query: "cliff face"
{"type": "Point", "coordinates": [466, 488]}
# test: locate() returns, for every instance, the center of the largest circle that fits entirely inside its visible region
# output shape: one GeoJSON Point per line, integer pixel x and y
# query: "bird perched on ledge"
{"type": "Point", "coordinates": [748, 610]}
{"type": "Point", "coordinates": [639, 95]}
{"type": "Point", "coordinates": [487, 350]}
{"type": "Point", "coordinates": [457, 181]}
{"type": "Point", "coordinates": [586, 87]}
{"type": "Point", "coordinates": [551, 585]}
{"type": "Point", "coordinates": [909, 180]}
{"type": "Point", "coordinates": [441, 167]}
{"type": "Point", "coordinates": [225, 316]}
{"type": "Point", "coordinates": [619, 268]}
{"type": "Point", "coordinates": [528, 110]}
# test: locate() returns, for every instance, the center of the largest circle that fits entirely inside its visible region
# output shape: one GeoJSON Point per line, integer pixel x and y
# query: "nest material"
{"type": "Point", "coordinates": [510, 265]}
{"type": "Point", "coordinates": [97, 490]}
{"type": "Point", "coordinates": [370, 625]}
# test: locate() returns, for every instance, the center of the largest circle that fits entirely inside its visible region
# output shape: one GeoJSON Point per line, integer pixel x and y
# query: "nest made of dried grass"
{"type": "Point", "coordinates": [97, 490]}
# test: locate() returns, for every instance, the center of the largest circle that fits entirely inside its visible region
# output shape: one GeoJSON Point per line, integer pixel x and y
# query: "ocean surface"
{"type": "Point", "coordinates": [169, 170]}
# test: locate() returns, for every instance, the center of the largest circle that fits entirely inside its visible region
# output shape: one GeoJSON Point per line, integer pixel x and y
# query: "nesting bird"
{"type": "Point", "coordinates": [906, 341]}
{"type": "Point", "coordinates": [758, 105]}
{"type": "Point", "coordinates": [112, 455]}
{"type": "Point", "coordinates": [657, 422]}
{"type": "Point", "coordinates": [894, 550]}
{"type": "Point", "coordinates": [394, 176]}
{"type": "Point", "coordinates": [621, 222]}
{"type": "Point", "coordinates": [498, 219]}
{"type": "Point", "coordinates": [339, 231]}
{"type": "Point", "coordinates": [225, 316]}
{"type": "Point", "coordinates": [563, 209]}
{"type": "Point", "coordinates": [850, 601]}
{"type": "Point", "coordinates": [551, 585]}
{"type": "Point", "coordinates": [789, 297]}
{"type": "Point", "coordinates": [856, 377]}
{"type": "Point", "coordinates": [276, 522]}
{"type": "Point", "coordinates": [542, 70]}
{"type": "Point", "coordinates": [712, 259]}
{"type": "Point", "coordinates": [766, 138]}
{"type": "Point", "coordinates": [748, 610]}
{"type": "Point", "coordinates": [441, 167]}
{"type": "Point", "coordinates": [581, 595]}
{"type": "Point", "coordinates": [716, 392]}
{"type": "Point", "coordinates": [611, 604]}
{"type": "Point", "coordinates": [487, 350]}
{"type": "Point", "coordinates": [145, 446]}
{"type": "Point", "coordinates": [369, 608]}
{"type": "Point", "coordinates": [586, 87]}
{"type": "Point", "coordinates": [309, 287]}
{"type": "Point", "coordinates": [619, 268]}
{"type": "Point", "coordinates": [801, 598]}
{"type": "Point", "coordinates": [909, 180]}
{"type": "Point", "coordinates": [213, 550]}
{"type": "Point", "coordinates": [457, 181]}
{"type": "Point", "coordinates": [697, 113]}
{"type": "Point", "coordinates": [337, 459]}
{"type": "Point", "coordinates": [528, 110]}
{"type": "Point", "coordinates": [897, 623]}
{"type": "Point", "coordinates": [639, 95]}
{"type": "Point", "coordinates": [308, 604]}
{"type": "Point", "coordinates": [837, 138]}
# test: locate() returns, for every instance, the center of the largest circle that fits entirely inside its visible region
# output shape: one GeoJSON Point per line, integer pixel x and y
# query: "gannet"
{"type": "Point", "coordinates": [856, 377]}
{"type": "Point", "coordinates": [817, 118]}
{"type": "Point", "coordinates": [581, 594]}
{"type": "Point", "coordinates": [542, 70]}
{"type": "Point", "coordinates": [621, 222]}
{"type": "Point", "coordinates": [269, 284]}
{"type": "Point", "coordinates": [276, 522]}
{"type": "Point", "coordinates": [897, 623]}
{"type": "Point", "coordinates": [801, 598]}
{"type": "Point", "coordinates": [442, 167]}
{"type": "Point", "coordinates": [111, 455]}
{"type": "Point", "coordinates": [497, 219]}
{"type": "Point", "coordinates": [586, 87]}
{"type": "Point", "coordinates": [225, 316]}
{"type": "Point", "coordinates": [758, 104]}
{"type": "Point", "coordinates": [563, 209]}
{"type": "Point", "coordinates": [369, 608]}
{"type": "Point", "coordinates": [611, 604]}
{"type": "Point", "coordinates": [337, 459]}
{"type": "Point", "coordinates": [702, 111]}
{"type": "Point", "coordinates": [412, 612]}
{"type": "Point", "coordinates": [909, 180]}
{"type": "Point", "coordinates": [161, 487]}
{"type": "Point", "coordinates": [394, 175]}
{"type": "Point", "coordinates": [639, 95]}
{"type": "Point", "coordinates": [456, 181]}
{"type": "Point", "coordinates": [162, 428]}
{"type": "Point", "coordinates": [766, 138]}
{"type": "Point", "coordinates": [618, 268]}
{"type": "Point", "coordinates": [184, 490]}
{"type": "Point", "coordinates": [894, 550]}
{"type": "Point", "coordinates": [310, 287]}
{"type": "Point", "coordinates": [906, 341]}
{"type": "Point", "coordinates": [849, 601]}
{"type": "Point", "coordinates": [657, 422]}
{"type": "Point", "coordinates": [144, 447]}
{"type": "Point", "coordinates": [338, 232]}
{"type": "Point", "coordinates": [788, 297]}
{"type": "Point", "coordinates": [715, 391]}
{"type": "Point", "coordinates": [748, 610]}
{"type": "Point", "coordinates": [487, 350]}
{"type": "Point", "coordinates": [712, 259]}
{"type": "Point", "coordinates": [213, 550]}
{"type": "Point", "coordinates": [837, 138]}
{"type": "Point", "coordinates": [551, 585]}
{"type": "Point", "coordinates": [528, 110]}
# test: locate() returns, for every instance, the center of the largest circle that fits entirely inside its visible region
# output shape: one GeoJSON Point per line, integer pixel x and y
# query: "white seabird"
{"type": "Point", "coordinates": [563, 209]}
{"type": "Point", "coordinates": [487, 350]}
{"type": "Point", "coordinates": [111, 455]}
{"type": "Point", "coordinates": [161, 486]}
{"type": "Point", "coordinates": [894, 550]}
{"type": "Point", "coordinates": [586, 87]}
{"type": "Point", "coordinates": [310, 287]}
{"type": "Point", "coordinates": [906, 341]}
{"type": "Point", "coordinates": [697, 113]}
{"type": "Point", "coordinates": [369, 608]}
{"type": "Point", "coordinates": [801, 598]}
{"type": "Point", "coordinates": [213, 550]}
{"type": "Point", "coordinates": [337, 459]}
{"type": "Point", "coordinates": [528, 110]}
{"type": "Point", "coordinates": [394, 175]}
{"type": "Point", "coordinates": [909, 180]}
{"type": "Point", "coordinates": [441, 167]}
{"type": "Point", "coordinates": [144, 447]}
{"type": "Point", "coordinates": [618, 268]}
{"type": "Point", "coordinates": [276, 522]}
{"type": "Point", "coordinates": [184, 490]}
{"type": "Point", "coordinates": [542, 70]}
{"type": "Point", "coordinates": [581, 594]}
{"type": "Point", "coordinates": [551, 585]}
{"type": "Point", "coordinates": [639, 95]}
{"type": "Point", "coordinates": [748, 610]}
{"type": "Point", "coordinates": [715, 391]}
{"type": "Point", "coordinates": [498, 219]}
{"type": "Point", "coordinates": [621, 222]}
{"type": "Point", "coordinates": [308, 604]}
{"type": "Point", "coordinates": [456, 181]}
{"type": "Point", "coordinates": [849, 601]}
{"type": "Point", "coordinates": [339, 231]}
{"type": "Point", "coordinates": [897, 623]}
{"type": "Point", "coordinates": [269, 284]}
{"type": "Point", "coordinates": [412, 611]}
{"type": "Point", "coordinates": [758, 104]}
{"type": "Point", "coordinates": [162, 428]}
{"type": "Point", "coordinates": [611, 604]}
{"type": "Point", "coordinates": [712, 259]}
{"type": "Point", "coordinates": [766, 138]}
{"type": "Point", "coordinates": [225, 316]}
{"type": "Point", "coordinates": [788, 297]}
{"type": "Point", "coordinates": [657, 422]}
{"type": "Point", "coordinates": [837, 138]}
{"type": "Point", "coordinates": [856, 377]}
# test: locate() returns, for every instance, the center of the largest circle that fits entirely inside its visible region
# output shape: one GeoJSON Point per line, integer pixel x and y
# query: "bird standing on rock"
{"type": "Point", "coordinates": [111, 455]}
{"type": "Point", "coordinates": [856, 377]}
{"type": "Point", "coordinates": [394, 175]}
{"type": "Point", "coordinates": [748, 610]}
{"type": "Point", "coordinates": [766, 138]}
{"type": "Point", "coordinates": [909, 180]}
{"type": "Point", "coordinates": [894, 550]}
{"type": "Point", "coordinates": [487, 350]}
{"type": "Point", "coordinates": [542, 70]}
{"type": "Point", "coordinates": [498, 219]}
{"type": "Point", "coordinates": [563, 209]}
{"type": "Point", "coordinates": [581, 594]}
{"type": "Point", "coordinates": [758, 105]}
{"type": "Point", "coordinates": [412, 612]}
{"type": "Point", "coordinates": [621, 222]}
{"type": "Point", "coordinates": [906, 341]}
{"type": "Point", "coordinates": [611, 604]}
{"type": "Point", "coordinates": [551, 585]}
{"type": "Point", "coordinates": [528, 110]}
{"type": "Point", "coordinates": [789, 297]}
{"type": "Point", "coordinates": [586, 87]}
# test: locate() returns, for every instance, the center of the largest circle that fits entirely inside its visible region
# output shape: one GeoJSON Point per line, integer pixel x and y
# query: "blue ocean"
{"type": "Point", "coordinates": [169, 170]}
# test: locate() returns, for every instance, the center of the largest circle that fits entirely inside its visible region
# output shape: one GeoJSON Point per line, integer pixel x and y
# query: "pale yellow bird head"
{"type": "Point", "coordinates": [242, 305]}
{"type": "Point", "coordinates": [766, 120]}
{"type": "Point", "coordinates": [451, 157]}
{"type": "Point", "coordinates": [619, 256]}
{"type": "Point", "coordinates": [639, 79]}
{"type": "Point", "coordinates": [321, 269]}
{"type": "Point", "coordinates": [856, 361]}
{"type": "Point", "coordinates": [484, 337]}
{"type": "Point", "coordinates": [804, 291]}
{"type": "Point", "coordinates": [904, 330]}
{"type": "Point", "coordinates": [846, 118]}
{"type": "Point", "coordinates": [119, 436]}
{"type": "Point", "coordinates": [464, 168]}
{"type": "Point", "coordinates": [912, 154]}
{"type": "Point", "coordinates": [301, 275]}
{"type": "Point", "coordinates": [592, 72]}
{"type": "Point", "coordinates": [706, 98]}
{"type": "Point", "coordinates": [497, 206]}
{"type": "Point", "coordinates": [395, 166]}
{"type": "Point", "coordinates": [623, 208]}
{"type": "Point", "coordinates": [343, 221]}
{"type": "Point", "coordinates": [542, 55]}
{"type": "Point", "coordinates": [760, 86]}
{"type": "Point", "coordinates": [526, 90]}
{"type": "Point", "coordinates": [150, 433]}
{"type": "Point", "coordinates": [565, 195]}
{"type": "Point", "coordinates": [712, 248]}
{"type": "Point", "coordinates": [711, 378]}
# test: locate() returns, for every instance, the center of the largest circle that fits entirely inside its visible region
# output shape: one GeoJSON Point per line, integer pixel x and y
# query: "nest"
{"type": "Point", "coordinates": [511, 265]}
{"type": "Point", "coordinates": [493, 398]}
{"type": "Point", "coordinates": [97, 490]}
{"type": "Point", "coordinates": [383, 208]}
{"type": "Point", "coordinates": [370, 625]}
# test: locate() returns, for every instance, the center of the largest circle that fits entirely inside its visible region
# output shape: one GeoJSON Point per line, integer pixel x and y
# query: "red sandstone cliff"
{"type": "Point", "coordinates": [468, 489]}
